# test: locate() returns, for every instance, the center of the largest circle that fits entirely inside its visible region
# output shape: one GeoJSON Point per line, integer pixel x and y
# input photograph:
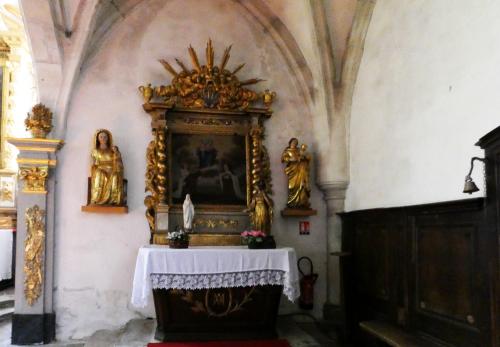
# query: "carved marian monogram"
{"type": "Point", "coordinates": [34, 178]}
{"type": "Point", "coordinates": [33, 253]}
{"type": "Point", "coordinates": [207, 86]}
{"type": "Point", "coordinates": [218, 302]}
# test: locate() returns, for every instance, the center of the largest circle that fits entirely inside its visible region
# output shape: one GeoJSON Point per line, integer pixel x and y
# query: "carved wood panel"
{"type": "Point", "coordinates": [445, 271]}
{"type": "Point", "coordinates": [422, 268]}
{"type": "Point", "coordinates": [373, 275]}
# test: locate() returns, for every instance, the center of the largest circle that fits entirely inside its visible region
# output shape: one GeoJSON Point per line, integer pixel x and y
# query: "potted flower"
{"type": "Point", "coordinates": [256, 239]}
{"type": "Point", "coordinates": [178, 239]}
{"type": "Point", "coordinates": [39, 121]}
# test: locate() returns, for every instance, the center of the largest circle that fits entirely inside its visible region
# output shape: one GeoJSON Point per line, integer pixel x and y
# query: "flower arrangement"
{"type": "Point", "coordinates": [178, 239]}
{"type": "Point", "coordinates": [39, 121]}
{"type": "Point", "coordinates": [253, 235]}
{"type": "Point", "coordinates": [258, 239]}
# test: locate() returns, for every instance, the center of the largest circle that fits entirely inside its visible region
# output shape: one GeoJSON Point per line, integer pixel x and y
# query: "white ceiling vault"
{"type": "Point", "coordinates": [65, 33]}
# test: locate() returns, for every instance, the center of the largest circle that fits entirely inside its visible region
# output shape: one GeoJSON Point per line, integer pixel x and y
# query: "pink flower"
{"type": "Point", "coordinates": [245, 234]}
{"type": "Point", "coordinates": [256, 233]}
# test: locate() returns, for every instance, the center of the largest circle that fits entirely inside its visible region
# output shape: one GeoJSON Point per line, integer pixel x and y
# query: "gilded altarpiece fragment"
{"type": "Point", "coordinates": [34, 179]}
{"type": "Point", "coordinates": [33, 253]}
{"type": "Point", "coordinates": [208, 142]}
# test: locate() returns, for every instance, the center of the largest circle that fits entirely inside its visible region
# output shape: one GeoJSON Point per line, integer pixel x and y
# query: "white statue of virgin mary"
{"type": "Point", "coordinates": [188, 213]}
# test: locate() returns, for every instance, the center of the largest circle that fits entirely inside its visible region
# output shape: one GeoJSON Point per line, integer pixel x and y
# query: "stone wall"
{"type": "Point", "coordinates": [427, 89]}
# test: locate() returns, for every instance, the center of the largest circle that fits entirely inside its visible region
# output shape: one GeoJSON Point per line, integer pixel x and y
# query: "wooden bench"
{"type": "Point", "coordinates": [392, 335]}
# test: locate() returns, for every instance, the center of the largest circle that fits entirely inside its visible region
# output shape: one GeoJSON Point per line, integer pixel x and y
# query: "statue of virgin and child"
{"type": "Point", "coordinates": [297, 168]}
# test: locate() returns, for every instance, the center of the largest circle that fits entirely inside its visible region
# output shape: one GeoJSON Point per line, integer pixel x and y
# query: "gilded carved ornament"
{"type": "Point", "coordinates": [213, 99]}
{"type": "Point", "coordinates": [6, 194]}
{"type": "Point", "coordinates": [33, 253]}
{"type": "Point", "coordinates": [39, 121]}
{"type": "Point", "coordinates": [156, 175]}
{"type": "Point", "coordinates": [35, 179]}
{"type": "Point", "coordinates": [214, 223]}
{"type": "Point", "coordinates": [207, 86]}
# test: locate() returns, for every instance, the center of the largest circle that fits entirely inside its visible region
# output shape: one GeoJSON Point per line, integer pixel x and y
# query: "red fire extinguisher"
{"type": "Point", "coordinates": [306, 299]}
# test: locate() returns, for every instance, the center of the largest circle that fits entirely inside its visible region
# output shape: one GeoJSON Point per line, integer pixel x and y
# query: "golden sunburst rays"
{"type": "Point", "coordinates": [181, 64]}
{"type": "Point", "coordinates": [209, 52]}
{"type": "Point", "coordinates": [209, 55]}
{"type": "Point", "coordinates": [168, 67]}
{"type": "Point", "coordinates": [225, 57]}
{"type": "Point", "coordinates": [194, 58]}
{"type": "Point", "coordinates": [238, 68]}
{"type": "Point", "coordinates": [207, 85]}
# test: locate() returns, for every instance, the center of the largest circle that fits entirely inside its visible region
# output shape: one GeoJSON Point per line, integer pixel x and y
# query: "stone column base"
{"type": "Point", "coordinates": [30, 329]}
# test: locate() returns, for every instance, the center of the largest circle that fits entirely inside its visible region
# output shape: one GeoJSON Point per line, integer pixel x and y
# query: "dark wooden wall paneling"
{"type": "Point", "coordinates": [422, 268]}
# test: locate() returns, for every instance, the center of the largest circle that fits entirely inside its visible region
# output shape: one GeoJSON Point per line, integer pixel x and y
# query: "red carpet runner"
{"type": "Point", "coordinates": [255, 343]}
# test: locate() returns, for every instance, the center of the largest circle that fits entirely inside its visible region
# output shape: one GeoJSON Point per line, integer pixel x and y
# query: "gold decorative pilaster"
{"type": "Point", "coordinates": [161, 165]}
{"type": "Point", "coordinates": [33, 253]}
{"type": "Point", "coordinates": [34, 178]}
{"type": "Point", "coordinates": [256, 134]}
{"type": "Point", "coordinates": [35, 244]}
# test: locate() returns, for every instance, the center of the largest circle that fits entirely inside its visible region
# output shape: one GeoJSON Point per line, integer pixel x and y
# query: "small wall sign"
{"type": "Point", "coordinates": [304, 228]}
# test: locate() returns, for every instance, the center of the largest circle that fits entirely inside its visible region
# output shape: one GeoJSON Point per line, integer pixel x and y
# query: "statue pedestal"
{"type": "Point", "coordinates": [298, 212]}
{"type": "Point", "coordinates": [108, 209]}
{"type": "Point", "coordinates": [105, 209]}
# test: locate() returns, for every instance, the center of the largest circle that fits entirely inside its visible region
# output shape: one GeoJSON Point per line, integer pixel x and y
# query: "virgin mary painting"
{"type": "Point", "coordinates": [211, 169]}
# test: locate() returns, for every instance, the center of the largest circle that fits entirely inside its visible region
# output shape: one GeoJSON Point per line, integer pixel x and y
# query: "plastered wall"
{"type": "Point", "coordinates": [95, 254]}
{"type": "Point", "coordinates": [427, 90]}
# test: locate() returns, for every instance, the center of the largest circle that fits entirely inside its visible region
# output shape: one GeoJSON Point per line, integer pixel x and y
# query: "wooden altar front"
{"type": "Point", "coordinates": [244, 313]}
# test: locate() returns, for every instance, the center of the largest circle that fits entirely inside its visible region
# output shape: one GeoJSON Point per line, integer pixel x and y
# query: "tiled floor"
{"type": "Point", "coordinates": [139, 332]}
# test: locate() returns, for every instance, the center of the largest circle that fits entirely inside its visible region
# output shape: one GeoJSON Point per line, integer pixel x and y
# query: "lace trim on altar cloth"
{"type": "Point", "coordinates": [227, 280]}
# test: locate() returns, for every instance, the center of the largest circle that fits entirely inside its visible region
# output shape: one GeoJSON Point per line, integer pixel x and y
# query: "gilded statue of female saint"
{"type": "Point", "coordinates": [106, 181]}
{"type": "Point", "coordinates": [261, 211]}
{"type": "Point", "coordinates": [297, 170]}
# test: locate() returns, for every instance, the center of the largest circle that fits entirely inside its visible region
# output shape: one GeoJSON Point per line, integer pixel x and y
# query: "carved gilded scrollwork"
{"type": "Point", "coordinates": [214, 223]}
{"type": "Point", "coordinates": [256, 134]}
{"type": "Point", "coordinates": [261, 204]}
{"type": "Point", "coordinates": [34, 178]}
{"type": "Point", "coordinates": [207, 86]}
{"type": "Point", "coordinates": [161, 165]}
{"type": "Point", "coordinates": [212, 121]}
{"type": "Point", "coordinates": [150, 201]}
{"type": "Point", "coordinates": [6, 195]}
{"type": "Point", "coordinates": [266, 171]}
{"type": "Point", "coordinates": [156, 175]}
{"type": "Point", "coordinates": [33, 253]}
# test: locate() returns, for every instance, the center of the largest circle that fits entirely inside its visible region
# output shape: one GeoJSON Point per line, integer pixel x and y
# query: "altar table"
{"type": "Point", "coordinates": [6, 240]}
{"type": "Point", "coordinates": [204, 293]}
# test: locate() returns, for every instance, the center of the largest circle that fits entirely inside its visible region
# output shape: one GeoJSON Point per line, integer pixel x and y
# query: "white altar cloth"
{"type": "Point", "coordinates": [213, 267]}
{"type": "Point", "coordinates": [6, 239]}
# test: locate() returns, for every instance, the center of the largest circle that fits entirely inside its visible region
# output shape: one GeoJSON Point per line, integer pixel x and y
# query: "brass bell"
{"type": "Point", "coordinates": [470, 187]}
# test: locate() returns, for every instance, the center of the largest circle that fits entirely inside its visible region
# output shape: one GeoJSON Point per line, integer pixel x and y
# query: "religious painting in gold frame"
{"type": "Point", "coordinates": [201, 110]}
{"type": "Point", "coordinates": [211, 166]}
